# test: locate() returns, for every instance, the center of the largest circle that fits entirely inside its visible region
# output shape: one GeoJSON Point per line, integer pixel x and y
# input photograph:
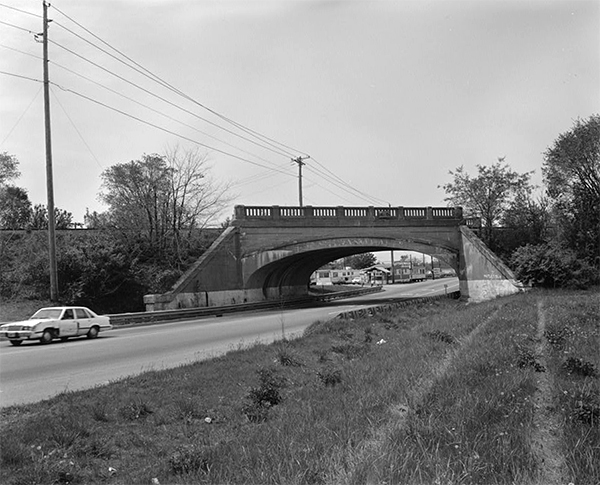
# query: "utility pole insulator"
{"type": "Point", "coordinates": [300, 162]}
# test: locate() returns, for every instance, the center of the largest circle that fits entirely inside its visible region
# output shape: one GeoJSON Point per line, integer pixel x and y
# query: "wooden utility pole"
{"type": "Point", "coordinates": [300, 162]}
{"type": "Point", "coordinates": [49, 180]}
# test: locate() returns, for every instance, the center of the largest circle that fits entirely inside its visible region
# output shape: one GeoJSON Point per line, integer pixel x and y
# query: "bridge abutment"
{"type": "Point", "coordinates": [482, 275]}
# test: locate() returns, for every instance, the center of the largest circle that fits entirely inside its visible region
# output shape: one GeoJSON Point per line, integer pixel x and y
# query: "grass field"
{"type": "Point", "coordinates": [501, 392]}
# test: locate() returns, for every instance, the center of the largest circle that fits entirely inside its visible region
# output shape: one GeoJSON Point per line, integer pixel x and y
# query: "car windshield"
{"type": "Point", "coordinates": [46, 313]}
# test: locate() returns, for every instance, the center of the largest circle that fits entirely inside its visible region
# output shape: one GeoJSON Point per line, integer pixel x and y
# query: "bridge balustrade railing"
{"type": "Point", "coordinates": [415, 212]}
{"type": "Point", "coordinates": [341, 212]}
{"type": "Point", "coordinates": [443, 212]}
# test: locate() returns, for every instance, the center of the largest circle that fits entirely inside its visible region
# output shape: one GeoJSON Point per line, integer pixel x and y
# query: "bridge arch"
{"type": "Point", "coordinates": [285, 270]}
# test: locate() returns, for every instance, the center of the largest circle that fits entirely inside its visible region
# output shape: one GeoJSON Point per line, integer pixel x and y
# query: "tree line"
{"type": "Point", "coordinates": [154, 228]}
{"type": "Point", "coordinates": [552, 240]}
{"type": "Point", "coordinates": [159, 207]}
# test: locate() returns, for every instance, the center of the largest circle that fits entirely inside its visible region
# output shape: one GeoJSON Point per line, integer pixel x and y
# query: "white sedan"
{"type": "Point", "coordinates": [56, 322]}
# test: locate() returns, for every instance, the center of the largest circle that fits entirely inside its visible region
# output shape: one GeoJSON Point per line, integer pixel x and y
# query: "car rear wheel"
{"type": "Point", "coordinates": [16, 343]}
{"type": "Point", "coordinates": [46, 337]}
{"type": "Point", "coordinates": [93, 332]}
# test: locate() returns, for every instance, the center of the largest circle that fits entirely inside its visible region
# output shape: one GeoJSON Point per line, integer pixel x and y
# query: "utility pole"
{"type": "Point", "coordinates": [49, 181]}
{"type": "Point", "coordinates": [300, 162]}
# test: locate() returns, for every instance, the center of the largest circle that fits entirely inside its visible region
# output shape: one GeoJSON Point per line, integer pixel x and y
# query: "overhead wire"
{"type": "Point", "coordinates": [159, 80]}
{"type": "Point", "coordinates": [21, 117]}
{"type": "Point", "coordinates": [158, 96]}
{"type": "Point", "coordinates": [159, 112]}
{"type": "Point", "coordinates": [148, 74]}
{"type": "Point", "coordinates": [340, 182]}
{"type": "Point", "coordinates": [349, 187]}
{"type": "Point", "coordinates": [274, 145]}
{"type": "Point", "coordinates": [21, 52]}
{"type": "Point", "coordinates": [139, 103]}
{"type": "Point", "coordinates": [76, 129]}
{"type": "Point", "coordinates": [83, 96]}
{"type": "Point", "coordinates": [100, 103]}
{"type": "Point", "coordinates": [20, 10]}
{"type": "Point", "coordinates": [18, 27]}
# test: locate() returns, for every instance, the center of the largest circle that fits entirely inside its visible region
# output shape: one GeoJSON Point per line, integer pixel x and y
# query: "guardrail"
{"type": "Point", "coordinates": [162, 316]}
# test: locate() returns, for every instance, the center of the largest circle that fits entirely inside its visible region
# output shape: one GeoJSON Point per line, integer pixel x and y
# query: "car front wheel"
{"type": "Point", "coordinates": [16, 342]}
{"type": "Point", "coordinates": [46, 337]}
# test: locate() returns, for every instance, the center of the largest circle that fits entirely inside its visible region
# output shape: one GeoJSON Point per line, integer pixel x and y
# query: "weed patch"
{"type": "Point", "coordinates": [441, 336]}
{"type": "Point", "coordinates": [527, 358]}
{"type": "Point", "coordinates": [350, 350]}
{"type": "Point", "coordinates": [579, 367]}
{"type": "Point", "coordinates": [330, 377]}
{"type": "Point", "coordinates": [136, 409]}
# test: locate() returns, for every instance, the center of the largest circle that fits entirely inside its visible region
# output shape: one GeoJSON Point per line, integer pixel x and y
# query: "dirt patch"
{"type": "Point", "coordinates": [547, 432]}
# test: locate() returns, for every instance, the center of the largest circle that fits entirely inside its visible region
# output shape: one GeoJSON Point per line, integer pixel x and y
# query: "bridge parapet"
{"type": "Point", "coordinates": [341, 215]}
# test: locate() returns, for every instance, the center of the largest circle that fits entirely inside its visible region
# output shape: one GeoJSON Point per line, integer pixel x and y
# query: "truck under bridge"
{"type": "Point", "coordinates": [269, 253]}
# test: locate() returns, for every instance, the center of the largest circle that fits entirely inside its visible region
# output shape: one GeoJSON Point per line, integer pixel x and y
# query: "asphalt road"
{"type": "Point", "coordinates": [33, 372]}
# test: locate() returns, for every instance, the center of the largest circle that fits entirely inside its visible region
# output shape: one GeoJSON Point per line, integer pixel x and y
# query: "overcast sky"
{"type": "Point", "coordinates": [385, 96]}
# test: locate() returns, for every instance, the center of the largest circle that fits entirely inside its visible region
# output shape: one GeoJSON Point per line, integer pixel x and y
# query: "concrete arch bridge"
{"type": "Point", "coordinates": [269, 253]}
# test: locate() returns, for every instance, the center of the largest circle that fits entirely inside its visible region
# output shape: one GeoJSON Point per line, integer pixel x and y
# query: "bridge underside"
{"type": "Point", "coordinates": [261, 258]}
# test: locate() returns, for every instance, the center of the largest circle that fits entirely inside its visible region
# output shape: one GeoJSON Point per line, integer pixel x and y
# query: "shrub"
{"type": "Point", "coordinates": [550, 265]}
{"type": "Point", "coordinates": [260, 399]}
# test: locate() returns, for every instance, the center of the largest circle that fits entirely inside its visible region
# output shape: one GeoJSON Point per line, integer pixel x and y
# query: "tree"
{"type": "Point", "coordinates": [571, 172]}
{"type": "Point", "coordinates": [162, 199]}
{"type": "Point", "coordinates": [489, 194]}
{"type": "Point", "coordinates": [9, 168]}
{"type": "Point", "coordinates": [39, 218]}
{"type": "Point", "coordinates": [525, 221]}
{"type": "Point", "coordinates": [15, 207]}
{"type": "Point", "coordinates": [96, 220]}
{"type": "Point", "coordinates": [361, 261]}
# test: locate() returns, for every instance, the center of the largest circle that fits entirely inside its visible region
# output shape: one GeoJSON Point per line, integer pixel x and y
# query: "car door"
{"type": "Point", "coordinates": [84, 320]}
{"type": "Point", "coordinates": [68, 325]}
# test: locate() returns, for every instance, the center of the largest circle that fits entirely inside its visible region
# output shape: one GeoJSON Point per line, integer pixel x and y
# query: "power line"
{"type": "Point", "coordinates": [165, 129]}
{"type": "Point", "coordinates": [22, 11]}
{"type": "Point", "coordinates": [161, 98]}
{"type": "Point", "coordinates": [76, 129]}
{"type": "Point", "coordinates": [21, 117]}
{"type": "Point", "coordinates": [150, 124]}
{"type": "Point", "coordinates": [21, 52]}
{"type": "Point", "coordinates": [160, 113]}
{"type": "Point", "coordinates": [349, 186]}
{"type": "Point", "coordinates": [275, 145]}
{"type": "Point", "coordinates": [157, 79]}
{"type": "Point", "coordinates": [18, 27]}
{"type": "Point", "coordinates": [340, 182]}
{"type": "Point", "coordinates": [21, 76]}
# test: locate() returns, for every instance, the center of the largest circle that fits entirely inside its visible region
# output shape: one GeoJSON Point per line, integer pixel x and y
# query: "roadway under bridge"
{"type": "Point", "coordinates": [269, 253]}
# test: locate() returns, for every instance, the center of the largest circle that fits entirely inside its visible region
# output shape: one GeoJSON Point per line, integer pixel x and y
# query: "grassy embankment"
{"type": "Point", "coordinates": [500, 392]}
